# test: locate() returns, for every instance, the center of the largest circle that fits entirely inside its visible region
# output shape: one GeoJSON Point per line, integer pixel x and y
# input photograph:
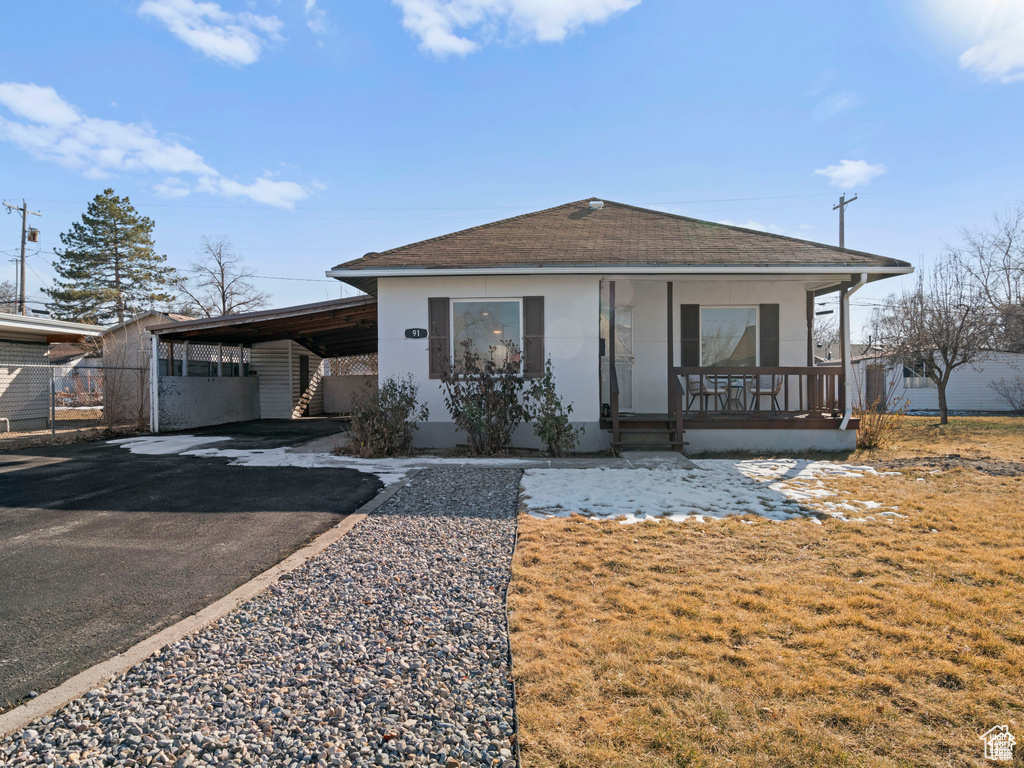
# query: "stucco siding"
{"type": "Point", "coordinates": [190, 401]}
{"type": "Point", "coordinates": [571, 333]}
{"type": "Point", "coordinates": [572, 309]}
{"type": "Point", "coordinates": [339, 391]}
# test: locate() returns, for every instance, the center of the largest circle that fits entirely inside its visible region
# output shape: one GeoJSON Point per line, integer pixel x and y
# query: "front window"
{"type": "Point", "coordinates": [489, 324]}
{"type": "Point", "coordinates": [728, 336]}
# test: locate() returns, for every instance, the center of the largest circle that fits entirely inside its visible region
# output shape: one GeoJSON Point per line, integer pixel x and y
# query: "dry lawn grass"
{"type": "Point", "coordinates": [997, 437]}
{"type": "Point", "coordinates": [779, 644]}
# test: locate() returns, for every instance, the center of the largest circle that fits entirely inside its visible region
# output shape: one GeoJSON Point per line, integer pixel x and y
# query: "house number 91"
{"type": "Point", "coordinates": [415, 333]}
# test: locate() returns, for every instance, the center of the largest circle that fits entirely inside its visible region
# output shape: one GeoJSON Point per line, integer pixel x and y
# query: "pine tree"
{"type": "Point", "coordinates": [108, 267]}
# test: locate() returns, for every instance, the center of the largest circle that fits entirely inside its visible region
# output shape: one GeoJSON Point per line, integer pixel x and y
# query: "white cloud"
{"type": "Point", "coordinates": [316, 18]}
{"type": "Point", "coordinates": [851, 173]}
{"type": "Point", "coordinates": [51, 129]}
{"type": "Point", "coordinates": [751, 224]}
{"type": "Point", "coordinates": [835, 104]}
{"type": "Point", "coordinates": [172, 187]}
{"type": "Point", "coordinates": [234, 38]}
{"type": "Point", "coordinates": [281, 194]}
{"type": "Point", "coordinates": [990, 34]}
{"type": "Point", "coordinates": [437, 22]}
{"type": "Point", "coordinates": [1000, 56]}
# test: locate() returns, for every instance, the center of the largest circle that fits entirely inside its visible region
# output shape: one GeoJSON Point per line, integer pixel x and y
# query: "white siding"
{"type": "Point", "coordinates": [24, 385]}
{"type": "Point", "coordinates": [968, 388]}
{"type": "Point", "coordinates": [277, 365]}
{"type": "Point", "coordinates": [272, 363]}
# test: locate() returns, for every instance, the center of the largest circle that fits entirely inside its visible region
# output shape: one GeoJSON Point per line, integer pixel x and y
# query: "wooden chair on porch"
{"type": "Point", "coordinates": [701, 386]}
{"type": "Point", "coordinates": [765, 385]}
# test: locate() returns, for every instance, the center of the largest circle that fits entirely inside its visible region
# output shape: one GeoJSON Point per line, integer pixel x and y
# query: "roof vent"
{"type": "Point", "coordinates": [596, 205]}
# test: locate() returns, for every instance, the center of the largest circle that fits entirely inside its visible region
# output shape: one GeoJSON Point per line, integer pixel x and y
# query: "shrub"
{"type": "Point", "coordinates": [484, 396]}
{"type": "Point", "coordinates": [384, 418]}
{"type": "Point", "coordinates": [550, 417]}
{"type": "Point", "coordinates": [1011, 391]}
{"type": "Point", "coordinates": [880, 420]}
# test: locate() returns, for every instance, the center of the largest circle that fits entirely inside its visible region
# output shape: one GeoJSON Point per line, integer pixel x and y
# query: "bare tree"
{"type": "Point", "coordinates": [826, 333]}
{"type": "Point", "coordinates": [218, 283]}
{"type": "Point", "coordinates": [995, 260]}
{"type": "Point", "coordinates": [1011, 391]}
{"type": "Point", "coordinates": [8, 297]}
{"type": "Point", "coordinates": [943, 324]}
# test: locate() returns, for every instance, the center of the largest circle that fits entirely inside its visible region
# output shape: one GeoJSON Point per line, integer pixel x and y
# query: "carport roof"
{"type": "Point", "coordinates": [44, 330]}
{"type": "Point", "coordinates": [336, 328]}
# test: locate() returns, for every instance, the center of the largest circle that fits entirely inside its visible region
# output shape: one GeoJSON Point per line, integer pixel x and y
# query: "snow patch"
{"type": "Point", "coordinates": [388, 470]}
{"type": "Point", "coordinates": [715, 488]}
{"type": "Point", "coordinates": [157, 445]}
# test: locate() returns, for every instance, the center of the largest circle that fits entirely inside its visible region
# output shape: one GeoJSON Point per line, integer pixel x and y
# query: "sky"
{"type": "Point", "coordinates": [309, 132]}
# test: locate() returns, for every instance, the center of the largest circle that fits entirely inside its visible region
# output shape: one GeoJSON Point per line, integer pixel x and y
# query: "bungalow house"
{"type": "Point", "coordinates": [657, 325]}
{"type": "Point", "coordinates": [26, 374]}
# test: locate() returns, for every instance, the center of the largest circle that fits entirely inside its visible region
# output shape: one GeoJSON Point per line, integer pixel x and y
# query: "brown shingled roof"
{"type": "Point", "coordinates": [616, 235]}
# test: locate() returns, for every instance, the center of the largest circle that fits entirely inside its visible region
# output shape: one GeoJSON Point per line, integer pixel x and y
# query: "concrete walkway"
{"type": "Point", "coordinates": [630, 459]}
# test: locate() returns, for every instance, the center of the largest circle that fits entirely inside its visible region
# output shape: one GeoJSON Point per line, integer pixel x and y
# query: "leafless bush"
{"type": "Point", "coordinates": [880, 419]}
{"type": "Point", "coordinates": [384, 418]}
{"type": "Point", "coordinates": [484, 396]}
{"type": "Point", "coordinates": [1011, 391]}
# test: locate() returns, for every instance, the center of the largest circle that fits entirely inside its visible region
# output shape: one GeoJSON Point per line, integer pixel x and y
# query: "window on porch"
{"type": "Point", "coordinates": [728, 336]}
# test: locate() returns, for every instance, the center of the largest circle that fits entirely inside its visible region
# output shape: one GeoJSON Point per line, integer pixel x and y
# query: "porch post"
{"type": "Point", "coordinates": [844, 337]}
{"type": "Point", "coordinates": [154, 384]}
{"type": "Point", "coordinates": [672, 404]}
{"type": "Point", "coordinates": [613, 377]}
{"type": "Point", "coordinates": [184, 358]}
{"type": "Point", "coordinates": [810, 328]}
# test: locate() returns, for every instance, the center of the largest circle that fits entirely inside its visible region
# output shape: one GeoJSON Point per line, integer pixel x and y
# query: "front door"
{"type": "Point", "coordinates": [304, 379]}
{"type": "Point", "coordinates": [623, 357]}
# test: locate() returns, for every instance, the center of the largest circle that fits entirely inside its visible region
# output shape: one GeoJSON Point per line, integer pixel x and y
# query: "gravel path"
{"type": "Point", "coordinates": [389, 648]}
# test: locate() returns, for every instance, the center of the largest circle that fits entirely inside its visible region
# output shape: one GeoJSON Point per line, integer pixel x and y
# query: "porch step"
{"type": "Point", "coordinates": [647, 439]}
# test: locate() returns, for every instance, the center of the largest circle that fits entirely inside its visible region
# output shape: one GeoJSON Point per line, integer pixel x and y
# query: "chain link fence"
{"type": "Point", "coordinates": [40, 399]}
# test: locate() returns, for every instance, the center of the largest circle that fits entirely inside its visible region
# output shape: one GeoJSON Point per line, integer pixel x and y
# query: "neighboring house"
{"type": "Point", "coordinates": [126, 361]}
{"type": "Point", "coordinates": [832, 354]}
{"type": "Point", "coordinates": [26, 376]}
{"type": "Point", "coordinates": [969, 387]}
{"type": "Point", "coordinates": [709, 326]}
{"type": "Point", "coordinates": [78, 374]}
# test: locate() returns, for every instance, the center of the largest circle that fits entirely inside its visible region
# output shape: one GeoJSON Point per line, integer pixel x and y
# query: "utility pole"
{"type": "Point", "coordinates": [24, 211]}
{"type": "Point", "coordinates": [843, 202]}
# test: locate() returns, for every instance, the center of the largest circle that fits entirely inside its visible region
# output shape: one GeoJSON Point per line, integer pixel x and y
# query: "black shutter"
{"type": "Point", "coordinates": [533, 337]}
{"type": "Point", "coordinates": [437, 335]}
{"type": "Point", "coordinates": [689, 335]}
{"type": "Point", "coordinates": [770, 335]}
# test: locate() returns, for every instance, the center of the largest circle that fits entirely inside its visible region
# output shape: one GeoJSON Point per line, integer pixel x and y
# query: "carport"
{"type": "Point", "coordinates": [258, 365]}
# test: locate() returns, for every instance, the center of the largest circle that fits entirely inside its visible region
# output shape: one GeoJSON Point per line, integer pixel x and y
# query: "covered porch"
{"type": "Point", "coordinates": [723, 362]}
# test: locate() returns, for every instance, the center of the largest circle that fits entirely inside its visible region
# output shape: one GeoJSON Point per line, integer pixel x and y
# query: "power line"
{"type": "Point", "coordinates": [445, 207]}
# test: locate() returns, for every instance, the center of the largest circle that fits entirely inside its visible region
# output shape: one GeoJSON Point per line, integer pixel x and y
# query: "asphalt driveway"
{"type": "Point", "coordinates": [100, 548]}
